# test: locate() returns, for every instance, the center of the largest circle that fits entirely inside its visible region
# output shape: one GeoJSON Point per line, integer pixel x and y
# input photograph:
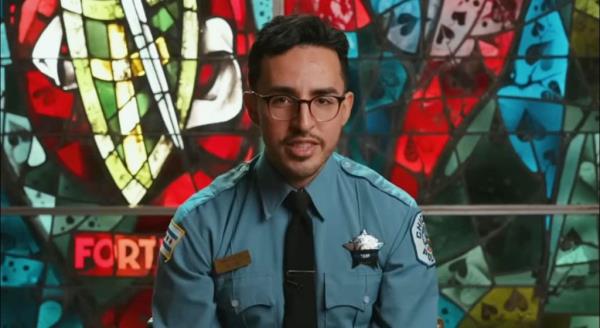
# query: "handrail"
{"type": "Point", "coordinates": [438, 210]}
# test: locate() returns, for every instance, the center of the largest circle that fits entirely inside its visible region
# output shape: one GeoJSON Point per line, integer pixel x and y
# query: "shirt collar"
{"type": "Point", "coordinates": [273, 189]}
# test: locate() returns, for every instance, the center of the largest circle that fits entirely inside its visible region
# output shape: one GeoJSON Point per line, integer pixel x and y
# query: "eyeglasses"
{"type": "Point", "coordinates": [285, 108]}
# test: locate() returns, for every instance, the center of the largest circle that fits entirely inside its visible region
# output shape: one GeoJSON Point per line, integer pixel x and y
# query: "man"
{"type": "Point", "coordinates": [300, 236]}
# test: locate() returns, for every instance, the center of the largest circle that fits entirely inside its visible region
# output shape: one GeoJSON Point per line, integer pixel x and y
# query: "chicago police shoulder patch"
{"type": "Point", "coordinates": [421, 242]}
{"type": "Point", "coordinates": [172, 238]}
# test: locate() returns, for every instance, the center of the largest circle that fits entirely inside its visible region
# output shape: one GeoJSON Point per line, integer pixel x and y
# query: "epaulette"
{"type": "Point", "coordinates": [221, 183]}
{"type": "Point", "coordinates": [375, 179]}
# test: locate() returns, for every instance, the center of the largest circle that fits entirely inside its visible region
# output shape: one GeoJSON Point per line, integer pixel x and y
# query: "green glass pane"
{"type": "Point", "coordinates": [97, 39]}
{"type": "Point", "coordinates": [468, 270]}
{"type": "Point", "coordinates": [519, 279]}
{"type": "Point", "coordinates": [579, 240]}
{"type": "Point", "coordinates": [162, 20]}
{"type": "Point", "coordinates": [452, 164]}
{"type": "Point", "coordinates": [174, 10]}
{"type": "Point", "coordinates": [570, 168]}
{"type": "Point", "coordinates": [568, 274]}
{"type": "Point", "coordinates": [504, 254]}
{"type": "Point", "coordinates": [591, 122]}
{"type": "Point", "coordinates": [43, 178]}
{"type": "Point", "coordinates": [483, 121]}
{"type": "Point", "coordinates": [62, 244]}
{"type": "Point", "coordinates": [577, 92]}
{"type": "Point", "coordinates": [466, 297]}
{"type": "Point", "coordinates": [143, 103]}
{"type": "Point", "coordinates": [71, 190]}
{"type": "Point", "coordinates": [108, 100]}
{"type": "Point", "coordinates": [466, 145]}
{"type": "Point", "coordinates": [172, 73]}
{"type": "Point", "coordinates": [450, 236]}
{"type": "Point", "coordinates": [127, 224]}
{"type": "Point", "coordinates": [585, 322]}
{"type": "Point", "coordinates": [114, 127]}
{"type": "Point", "coordinates": [573, 116]}
{"type": "Point", "coordinates": [121, 151]}
{"type": "Point", "coordinates": [64, 223]}
{"type": "Point", "coordinates": [150, 142]}
{"type": "Point", "coordinates": [100, 223]}
{"type": "Point", "coordinates": [574, 300]}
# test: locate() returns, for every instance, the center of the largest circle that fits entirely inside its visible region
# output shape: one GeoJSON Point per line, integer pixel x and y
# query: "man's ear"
{"type": "Point", "coordinates": [346, 109]}
{"type": "Point", "coordinates": [252, 107]}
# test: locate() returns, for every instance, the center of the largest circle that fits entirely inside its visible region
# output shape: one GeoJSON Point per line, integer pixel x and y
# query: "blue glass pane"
{"type": "Point", "coordinates": [389, 85]}
{"type": "Point", "coordinates": [353, 44]}
{"type": "Point", "coordinates": [263, 12]}
{"type": "Point", "coordinates": [405, 26]}
{"type": "Point", "coordinates": [448, 311]}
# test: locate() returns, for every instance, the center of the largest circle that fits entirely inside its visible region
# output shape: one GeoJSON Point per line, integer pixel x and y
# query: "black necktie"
{"type": "Point", "coordinates": [299, 265]}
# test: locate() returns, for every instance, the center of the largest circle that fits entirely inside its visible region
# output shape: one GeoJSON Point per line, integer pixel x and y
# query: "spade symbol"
{"type": "Point", "coordinates": [487, 311]}
{"type": "Point", "coordinates": [460, 267]}
{"type": "Point", "coordinates": [570, 240]}
{"type": "Point", "coordinates": [445, 32]}
{"type": "Point", "coordinates": [516, 300]}
{"type": "Point", "coordinates": [408, 23]}
{"type": "Point", "coordinates": [460, 17]}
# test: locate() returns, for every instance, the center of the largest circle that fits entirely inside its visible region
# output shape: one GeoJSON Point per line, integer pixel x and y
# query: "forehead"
{"type": "Point", "coordinates": [302, 68]}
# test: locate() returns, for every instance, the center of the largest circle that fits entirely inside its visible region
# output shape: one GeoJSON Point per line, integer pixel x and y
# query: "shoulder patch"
{"type": "Point", "coordinates": [221, 183]}
{"type": "Point", "coordinates": [421, 242]}
{"type": "Point", "coordinates": [173, 236]}
{"type": "Point", "coordinates": [358, 170]}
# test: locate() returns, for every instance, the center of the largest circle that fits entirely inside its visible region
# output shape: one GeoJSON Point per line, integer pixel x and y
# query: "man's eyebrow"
{"type": "Point", "coordinates": [292, 91]}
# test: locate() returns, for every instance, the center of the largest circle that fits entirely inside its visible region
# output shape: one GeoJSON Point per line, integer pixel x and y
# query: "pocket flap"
{"type": "Point", "coordinates": [346, 289]}
{"type": "Point", "coordinates": [252, 290]}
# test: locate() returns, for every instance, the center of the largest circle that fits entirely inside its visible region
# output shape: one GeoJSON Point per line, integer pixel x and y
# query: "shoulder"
{"type": "Point", "coordinates": [373, 180]}
{"type": "Point", "coordinates": [224, 182]}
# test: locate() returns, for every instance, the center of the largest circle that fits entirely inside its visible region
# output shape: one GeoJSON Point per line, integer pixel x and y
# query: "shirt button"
{"type": "Point", "coordinates": [366, 299]}
{"type": "Point", "coordinates": [235, 303]}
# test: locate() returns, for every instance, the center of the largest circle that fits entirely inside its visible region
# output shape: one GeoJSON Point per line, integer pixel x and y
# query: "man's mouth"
{"type": "Point", "coordinates": [301, 147]}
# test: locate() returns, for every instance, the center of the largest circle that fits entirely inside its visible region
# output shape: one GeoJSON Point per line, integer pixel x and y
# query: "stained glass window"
{"type": "Point", "coordinates": [468, 102]}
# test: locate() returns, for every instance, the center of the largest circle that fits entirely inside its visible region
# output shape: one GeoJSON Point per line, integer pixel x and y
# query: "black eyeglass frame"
{"type": "Point", "coordinates": [300, 101]}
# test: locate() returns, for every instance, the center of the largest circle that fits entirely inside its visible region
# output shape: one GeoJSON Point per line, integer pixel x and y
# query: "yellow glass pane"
{"type": "Point", "coordinates": [101, 69]}
{"type": "Point", "coordinates": [75, 35]}
{"type": "Point", "coordinates": [129, 117]}
{"type": "Point", "coordinates": [116, 37]}
{"type": "Point", "coordinates": [134, 192]}
{"type": "Point", "coordinates": [144, 176]}
{"type": "Point", "coordinates": [105, 144]}
{"type": "Point", "coordinates": [124, 93]}
{"type": "Point", "coordinates": [153, 2]}
{"type": "Point", "coordinates": [504, 307]}
{"type": "Point", "coordinates": [591, 7]}
{"type": "Point", "coordinates": [72, 5]}
{"type": "Point", "coordinates": [158, 155]}
{"type": "Point", "coordinates": [137, 67]}
{"type": "Point", "coordinates": [89, 96]}
{"type": "Point", "coordinates": [190, 4]}
{"type": "Point", "coordinates": [135, 150]}
{"type": "Point", "coordinates": [121, 70]}
{"type": "Point", "coordinates": [103, 9]}
{"type": "Point", "coordinates": [162, 50]}
{"type": "Point", "coordinates": [117, 170]}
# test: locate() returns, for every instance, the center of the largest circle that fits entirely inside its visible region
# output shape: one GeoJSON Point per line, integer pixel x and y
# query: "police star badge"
{"type": "Point", "coordinates": [364, 249]}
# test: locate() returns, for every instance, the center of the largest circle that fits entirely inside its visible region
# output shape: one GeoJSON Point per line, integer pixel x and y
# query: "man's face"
{"type": "Point", "coordinates": [299, 147]}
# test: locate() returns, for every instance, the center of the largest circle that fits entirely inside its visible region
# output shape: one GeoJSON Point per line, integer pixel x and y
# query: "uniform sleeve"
{"type": "Point", "coordinates": [408, 294]}
{"type": "Point", "coordinates": [183, 288]}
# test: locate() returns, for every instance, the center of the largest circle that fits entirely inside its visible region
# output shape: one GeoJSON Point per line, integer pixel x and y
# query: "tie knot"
{"type": "Point", "coordinates": [297, 201]}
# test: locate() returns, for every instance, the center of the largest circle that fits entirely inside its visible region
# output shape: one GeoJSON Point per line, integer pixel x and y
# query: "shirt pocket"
{"type": "Point", "coordinates": [246, 301]}
{"type": "Point", "coordinates": [349, 298]}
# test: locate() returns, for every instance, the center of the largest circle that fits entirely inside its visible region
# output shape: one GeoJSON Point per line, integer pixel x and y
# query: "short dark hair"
{"type": "Point", "coordinates": [285, 32]}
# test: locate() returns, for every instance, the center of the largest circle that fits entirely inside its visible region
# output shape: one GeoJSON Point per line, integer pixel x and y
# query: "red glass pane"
{"type": "Point", "coordinates": [221, 8]}
{"type": "Point", "coordinates": [407, 154]}
{"type": "Point", "coordinates": [73, 158]}
{"type": "Point", "coordinates": [405, 180]}
{"type": "Point", "coordinates": [138, 311]}
{"type": "Point", "coordinates": [425, 116]}
{"type": "Point", "coordinates": [47, 99]}
{"type": "Point", "coordinates": [207, 73]}
{"type": "Point", "coordinates": [344, 15]}
{"type": "Point", "coordinates": [182, 188]}
{"type": "Point", "coordinates": [223, 146]}
{"type": "Point", "coordinates": [239, 12]}
{"type": "Point", "coordinates": [430, 148]}
{"type": "Point", "coordinates": [241, 44]}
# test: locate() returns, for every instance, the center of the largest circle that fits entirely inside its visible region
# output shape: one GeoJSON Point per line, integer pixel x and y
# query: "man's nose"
{"type": "Point", "coordinates": [305, 121]}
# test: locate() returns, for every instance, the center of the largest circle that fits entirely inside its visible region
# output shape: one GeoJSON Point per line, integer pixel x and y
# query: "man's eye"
{"type": "Point", "coordinates": [281, 100]}
{"type": "Point", "coordinates": [325, 101]}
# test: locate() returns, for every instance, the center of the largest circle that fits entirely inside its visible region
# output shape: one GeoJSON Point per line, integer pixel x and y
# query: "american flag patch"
{"type": "Point", "coordinates": [172, 238]}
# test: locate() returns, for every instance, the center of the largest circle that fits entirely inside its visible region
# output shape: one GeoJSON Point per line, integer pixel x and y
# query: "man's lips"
{"type": "Point", "coordinates": [301, 147]}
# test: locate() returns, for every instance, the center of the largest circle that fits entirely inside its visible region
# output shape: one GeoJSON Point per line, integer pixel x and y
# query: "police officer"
{"type": "Point", "coordinates": [300, 236]}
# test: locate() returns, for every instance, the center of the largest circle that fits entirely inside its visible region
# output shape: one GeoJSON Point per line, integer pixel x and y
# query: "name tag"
{"type": "Point", "coordinates": [232, 262]}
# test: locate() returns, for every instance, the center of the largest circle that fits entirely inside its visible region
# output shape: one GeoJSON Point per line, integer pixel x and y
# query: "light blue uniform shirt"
{"type": "Point", "coordinates": [242, 210]}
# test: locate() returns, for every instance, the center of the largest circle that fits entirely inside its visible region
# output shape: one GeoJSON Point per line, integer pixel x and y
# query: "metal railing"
{"type": "Point", "coordinates": [441, 210]}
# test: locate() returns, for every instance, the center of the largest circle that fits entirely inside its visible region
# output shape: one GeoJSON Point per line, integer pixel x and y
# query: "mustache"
{"type": "Point", "coordinates": [291, 138]}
